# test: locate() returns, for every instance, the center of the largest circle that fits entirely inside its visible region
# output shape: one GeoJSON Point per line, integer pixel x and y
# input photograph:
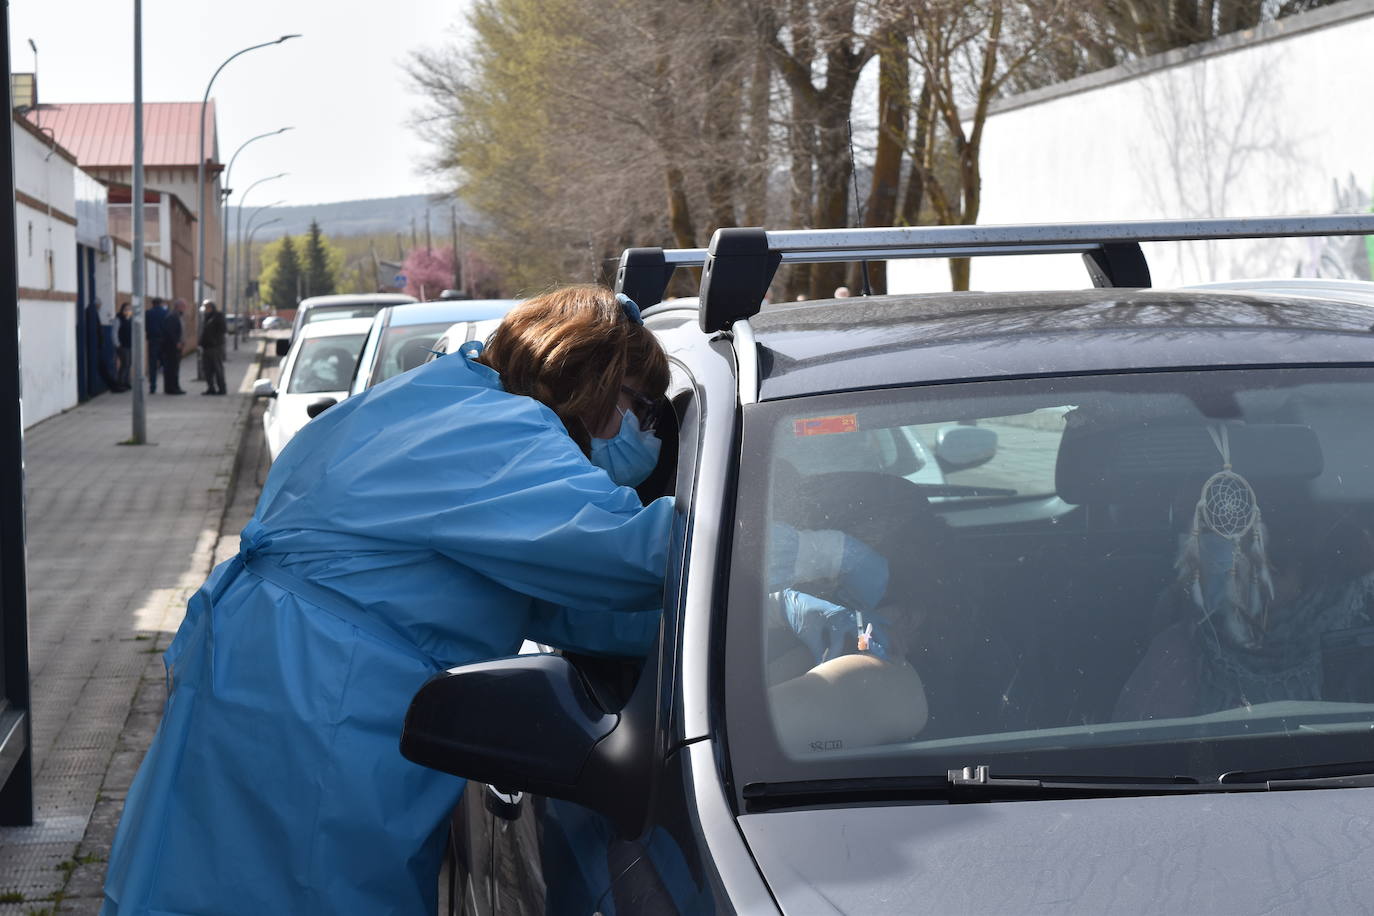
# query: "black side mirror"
{"type": "Point", "coordinates": [283, 347]}
{"type": "Point", "coordinates": [533, 723]}
{"type": "Point", "coordinates": [315, 408]}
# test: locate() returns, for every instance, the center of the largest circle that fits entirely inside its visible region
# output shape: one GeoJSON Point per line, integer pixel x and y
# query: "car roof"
{"type": "Point", "coordinates": [335, 327]}
{"type": "Point", "coordinates": [877, 341]}
{"type": "Point", "coordinates": [448, 310]}
{"type": "Point", "coordinates": [355, 299]}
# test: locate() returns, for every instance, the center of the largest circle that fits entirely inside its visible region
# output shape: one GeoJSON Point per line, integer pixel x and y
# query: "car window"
{"type": "Point", "coordinates": [337, 312]}
{"type": "Point", "coordinates": [324, 364]}
{"type": "Point", "coordinates": [404, 347]}
{"type": "Point", "coordinates": [1174, 563]}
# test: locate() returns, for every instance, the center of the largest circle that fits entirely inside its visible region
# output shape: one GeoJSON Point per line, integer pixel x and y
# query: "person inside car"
{"type": "Point", "coordinates": [1305, 644]}
{"type": "Point", "coordinates": [410, 529]}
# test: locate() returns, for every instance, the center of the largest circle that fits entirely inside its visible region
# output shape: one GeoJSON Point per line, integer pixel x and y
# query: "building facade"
{"type": "Point", "coordinates": [100, 136]}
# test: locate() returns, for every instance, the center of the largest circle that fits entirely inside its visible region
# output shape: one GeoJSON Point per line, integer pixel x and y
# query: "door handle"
{"type": "Point", "coordinates": [505, 805]}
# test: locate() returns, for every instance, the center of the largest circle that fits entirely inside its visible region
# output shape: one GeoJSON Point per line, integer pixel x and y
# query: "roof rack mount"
{"type": "Point", "coordinates": [740, 263]}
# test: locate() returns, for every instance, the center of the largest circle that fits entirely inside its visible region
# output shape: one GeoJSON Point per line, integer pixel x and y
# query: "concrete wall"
{"type": "Point", "coordinates": [1265, 123]}
{"type": "Point", "coordinates": [45, 223]}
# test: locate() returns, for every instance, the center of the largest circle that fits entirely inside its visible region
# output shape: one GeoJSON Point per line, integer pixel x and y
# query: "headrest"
{"type": "Point", "coordinates": [414, 353]}
{"type": "Point", "coordinates": [878, 509]}
{"type": "Point", "coordinates": [1097, 465]}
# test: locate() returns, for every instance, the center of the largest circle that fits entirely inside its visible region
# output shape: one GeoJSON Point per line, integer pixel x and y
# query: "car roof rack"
{"type": "Point", "coordinates": [740, 263]}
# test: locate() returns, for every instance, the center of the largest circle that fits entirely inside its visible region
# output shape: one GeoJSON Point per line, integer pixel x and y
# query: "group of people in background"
{"type": "Point", "coordinates": [164, 330]}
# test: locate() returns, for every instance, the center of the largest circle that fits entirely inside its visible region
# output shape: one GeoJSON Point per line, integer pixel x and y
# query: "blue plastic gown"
{"type": "Point", "coordinates": [434, 521]}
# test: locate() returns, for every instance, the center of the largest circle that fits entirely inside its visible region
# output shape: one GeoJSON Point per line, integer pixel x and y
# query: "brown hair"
{"type": "Point", "coordinates": [571, 349]}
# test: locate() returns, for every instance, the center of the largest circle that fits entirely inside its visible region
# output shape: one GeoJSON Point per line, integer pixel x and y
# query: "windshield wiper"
{"type": "Point", "coordinates": [1355, 775]}
{"type": "Point", "coordinates": [966, 784]}
{"type": "Point", "coordinates": [978, 784]}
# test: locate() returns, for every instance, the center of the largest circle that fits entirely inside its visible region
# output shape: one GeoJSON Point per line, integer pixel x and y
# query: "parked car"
{"type": "Point", "coordinates": [314, 377]}
{"type": "Point", "coordinates": [461, 332]}
{"type": "Point", "coordinates": [328, 308]}
{"type": "Point", "coordinates": [1148, 608]}
{"type": "Point", "coordinates": [272, 323]}
{"type": "Point", "coordinates": [403, 338]}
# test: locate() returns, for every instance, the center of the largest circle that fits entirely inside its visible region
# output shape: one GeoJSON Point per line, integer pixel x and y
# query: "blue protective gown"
{"type": "Point", "coordinates": [435, 520]}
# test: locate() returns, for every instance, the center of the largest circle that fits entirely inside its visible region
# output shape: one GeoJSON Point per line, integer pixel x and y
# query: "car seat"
{"type": "Point", "coordinates": [414, 352]}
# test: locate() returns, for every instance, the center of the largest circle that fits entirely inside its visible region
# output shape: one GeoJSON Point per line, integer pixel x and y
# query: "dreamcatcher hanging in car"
{"type": "Point", "coordinates": [1224, 562]}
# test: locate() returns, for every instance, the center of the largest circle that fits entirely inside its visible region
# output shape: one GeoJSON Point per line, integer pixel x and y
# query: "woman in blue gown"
{"type": "Point", "coordinates": [437, 519]}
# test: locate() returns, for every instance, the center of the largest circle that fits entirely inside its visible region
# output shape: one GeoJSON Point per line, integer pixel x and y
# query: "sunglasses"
{"type": "Point", "coordinates": [644, 407]}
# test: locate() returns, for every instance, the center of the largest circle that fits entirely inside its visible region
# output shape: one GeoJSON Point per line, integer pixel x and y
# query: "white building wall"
{"type": "Point", "coordinates": [1266, 123]}
{"type": "Point", "coordinates": [47, 277]}
{"type": "Point", "coordinates": [157, 277]}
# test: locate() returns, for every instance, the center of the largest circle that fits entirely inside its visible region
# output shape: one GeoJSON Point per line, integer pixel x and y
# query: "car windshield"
{"type": "Point", "coordinates": [405, 347]}
{"type": "Point", "coordinates": [337, 312]}
{"type": "Point", "coordinates": [325, 363]}
{"type": "Point", "coordinates": [1159, 574]}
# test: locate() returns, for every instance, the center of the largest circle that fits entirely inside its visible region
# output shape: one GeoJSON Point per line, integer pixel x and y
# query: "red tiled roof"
{"type": "Point", "coordinates": [101, 134]}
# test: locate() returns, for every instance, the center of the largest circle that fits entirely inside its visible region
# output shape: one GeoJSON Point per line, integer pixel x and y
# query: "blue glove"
{"type": "Point", "coordinates": [827, 629]}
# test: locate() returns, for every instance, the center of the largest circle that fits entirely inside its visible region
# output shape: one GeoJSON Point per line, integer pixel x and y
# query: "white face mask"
{"type": "Point", "coordinates": [630, 456]}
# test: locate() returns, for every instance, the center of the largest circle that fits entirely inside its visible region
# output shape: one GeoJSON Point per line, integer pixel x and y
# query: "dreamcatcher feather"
{"type": "Point", "coordinates": [1224, 562]}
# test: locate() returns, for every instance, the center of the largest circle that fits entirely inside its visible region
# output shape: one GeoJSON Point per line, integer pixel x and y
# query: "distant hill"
{"type": "Point", "coordinates": [362, 217]}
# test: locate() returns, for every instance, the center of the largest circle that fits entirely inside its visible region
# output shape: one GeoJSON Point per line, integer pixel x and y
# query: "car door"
{"type": "Point", "coordinates": [546, 854]}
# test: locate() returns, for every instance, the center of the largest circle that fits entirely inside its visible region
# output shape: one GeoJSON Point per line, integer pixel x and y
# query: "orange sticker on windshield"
{"type": "Point", "coordinates": [824, 426]}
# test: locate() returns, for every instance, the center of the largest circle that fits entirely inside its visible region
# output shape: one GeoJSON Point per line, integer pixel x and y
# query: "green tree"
{"type": "Point", "coordinates": [320, 274]}
{"type": "Point", "coordinates": [285, 272]}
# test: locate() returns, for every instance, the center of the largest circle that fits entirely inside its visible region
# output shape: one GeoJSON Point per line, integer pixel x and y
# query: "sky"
{"type": "Point", "coordinates": [341, 87]}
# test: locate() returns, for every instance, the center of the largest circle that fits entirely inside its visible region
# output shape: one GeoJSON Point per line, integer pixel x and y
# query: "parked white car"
{"type": "Point", "coordinates": [314, 377]}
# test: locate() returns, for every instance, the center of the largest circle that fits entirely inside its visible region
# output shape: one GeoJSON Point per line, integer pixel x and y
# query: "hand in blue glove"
{"type": "Point", "coordinates": [828, 630]}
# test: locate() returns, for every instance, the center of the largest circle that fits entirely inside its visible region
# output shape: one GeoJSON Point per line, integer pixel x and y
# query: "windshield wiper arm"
{"type": "Point", "coordinates": [976, 783]}
{"type": "Point", "coordinates": [966, 784]}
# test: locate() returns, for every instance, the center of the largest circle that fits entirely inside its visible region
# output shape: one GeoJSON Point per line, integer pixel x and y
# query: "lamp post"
{"type": "Point", "coordinates": [238, 223]}
{"type": "Point", "coordinates": [252, 230]}
{"type": "Point", "coordinates": [224, 231]}
{"type": "Point", "coordinates": [244, 257]}
{"type": "Point", "coordinates": [200, 166]}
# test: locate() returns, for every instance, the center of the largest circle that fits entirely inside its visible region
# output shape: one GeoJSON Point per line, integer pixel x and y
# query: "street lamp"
{"type": "Point", "coordinates": [200, 166]}
{"type": "Point", "coordinates": [238, 312]}
{"type": "Point", "coordinates": [253, 230]}
{"type": "Point", "coordinates": [243, 255]}
{"type": "Point", "coordinates": [224, 232]}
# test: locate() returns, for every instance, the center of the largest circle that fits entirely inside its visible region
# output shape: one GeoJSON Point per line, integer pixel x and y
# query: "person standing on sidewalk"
{"type": "Point", "coordinates": [436, 519]}
{"type": "Point", "coordinates": [212, 334]}
{"type": "Point", "coordinates": [173, 327]}
{"type": "Point", "coordinates": [124, 346]}
{"type": "Point", "coordinates": [153, 321]}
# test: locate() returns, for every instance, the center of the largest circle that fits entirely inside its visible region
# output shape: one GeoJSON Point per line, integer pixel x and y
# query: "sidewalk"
{"type": "Point", "coordinates": [118, 539]}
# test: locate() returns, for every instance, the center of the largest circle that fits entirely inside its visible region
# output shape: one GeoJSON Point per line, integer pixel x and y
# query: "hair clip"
{"type": "Point", "coordinates": [629, 307]}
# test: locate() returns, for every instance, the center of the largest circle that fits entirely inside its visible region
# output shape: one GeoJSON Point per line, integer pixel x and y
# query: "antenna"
{"type": "Point", "coordinates": [858, 206]}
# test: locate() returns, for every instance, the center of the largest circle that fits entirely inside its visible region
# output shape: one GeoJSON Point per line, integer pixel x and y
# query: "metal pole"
{"type": "Point", "coordinates": [16, 732]}
{"type": "Point", "coordinates": [200, 167]}
{"type": "Point", "coordinates": [247, 261]}
{"type": "Point", "coordinates": [139, 434]}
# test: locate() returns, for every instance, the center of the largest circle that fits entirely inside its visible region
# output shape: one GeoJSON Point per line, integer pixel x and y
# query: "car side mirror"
{"type": "Point", "coordinates": [315, 408]}
{"type": "Point", "coordinates": [958, 448]}
{"type": "Point", "coordinates": [262, 388]}
{"type": "Point", "coordinates": [534, 723]}
{"type": "Point", "coordinates": [283, 347]}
